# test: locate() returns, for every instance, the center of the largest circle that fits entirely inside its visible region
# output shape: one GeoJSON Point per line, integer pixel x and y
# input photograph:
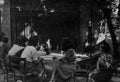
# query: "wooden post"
{"type": "Point", "coordinates": [0, 25]}
{"type": "Point", "coordinates": [113, 37]}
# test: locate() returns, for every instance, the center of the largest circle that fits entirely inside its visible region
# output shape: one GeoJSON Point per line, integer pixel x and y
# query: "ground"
{"type": "Point", "coordinates": [114, 79]}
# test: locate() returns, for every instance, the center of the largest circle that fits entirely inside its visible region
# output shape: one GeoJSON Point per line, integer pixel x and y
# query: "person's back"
{"type": "Point", "coordinates": [30, 51]}
{"type": "Point", "coordinates": [14, 49]}
{"type": "Point", "coordinates": [64, 71]}
{"type": "Point", "coordinates": [19, 44]}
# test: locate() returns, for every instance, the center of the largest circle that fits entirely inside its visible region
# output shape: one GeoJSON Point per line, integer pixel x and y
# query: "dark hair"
{"type": "Point", "coordinates": [5, 39]}
{"type": "Point", "coordinates": [66, 44]}
{"type": "Point", "coordinates": [33, 41]}
{"type": "Point", "coordinates": [21, 41]}
{"type": "Point", "coordinates": [105, 47]}
{"type": "Point", "coordinates": [17, 41]}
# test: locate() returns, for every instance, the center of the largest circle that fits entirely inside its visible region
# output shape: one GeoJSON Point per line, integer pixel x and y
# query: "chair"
{"type": "Point", "coordinates": [81, 73]}
{"type": "Point", "coordinates": [18, 67]}
{"type": "Point", "coordinates": [5, 69]}
{"type": "Point", "coordinates": [89, 63]}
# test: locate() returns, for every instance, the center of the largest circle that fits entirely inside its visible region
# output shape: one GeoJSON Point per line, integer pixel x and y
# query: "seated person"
{"type": "Point", "coordinates": [17, 50]}
{"type": "Point", "coordinates": [30, 50]}
{"type": "Point", "coordinates": [30, 54]}
{"type": "Point", "coordinates": [4, 48]}
{"type": "Point", "coordinates": [63, 68]}
{"type": "Point", "coordinates": [103, 73]}
{"type": "Point", "coordinates": [19, 45]}
{"type": "Point", "coordinates": [47, 47]}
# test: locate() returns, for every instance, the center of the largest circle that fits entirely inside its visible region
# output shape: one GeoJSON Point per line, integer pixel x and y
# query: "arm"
{"type": "Point", "coordinates": [53, 73]}
{"type": "Point", "coordinates": [98, 64]}
{"type": "Point", "coordinates": [33, 54]}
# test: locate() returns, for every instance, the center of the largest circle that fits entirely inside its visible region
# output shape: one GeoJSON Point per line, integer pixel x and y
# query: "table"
{"type": "Point", "coordinates": [82, 59]}
{"type": "Point", "coordinates": [40, 54]}
{"type": "Point", "coordinates": [49, 59]}
{"type": "Point", "coordinates": [89, 63]}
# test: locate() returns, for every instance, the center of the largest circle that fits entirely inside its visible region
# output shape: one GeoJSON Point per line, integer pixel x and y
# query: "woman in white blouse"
{"type": "Point", "coordinates": [30, 50]}
{"type": "Point", "coordinates": [32, 63]}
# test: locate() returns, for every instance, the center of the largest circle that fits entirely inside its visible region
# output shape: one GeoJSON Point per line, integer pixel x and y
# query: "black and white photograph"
{"type": "Point", "coordinates": [59, 40]}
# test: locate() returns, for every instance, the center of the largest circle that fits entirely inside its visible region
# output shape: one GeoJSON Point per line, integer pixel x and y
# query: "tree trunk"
{"type": "Point", "coordinates": [113, 37]}
{"type": "Point", "coordinates": [107, 15]}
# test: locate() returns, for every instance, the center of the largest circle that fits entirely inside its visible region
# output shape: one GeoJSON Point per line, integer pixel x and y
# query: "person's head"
{"type": "Point", "coordinates": [33, 41]}
{"type": "Point", "coordinates": [70, 55]}
{"type": "Point", "coordinates": [5, 39]}
{"type": "Point", "coordinates": [21, 41]}
{"type": "Point", "coordinates": [48, 41]}
{"type": "Point", "coordinates": [66, 44]}
{"type": "Point", "coordinates": [105, 47]}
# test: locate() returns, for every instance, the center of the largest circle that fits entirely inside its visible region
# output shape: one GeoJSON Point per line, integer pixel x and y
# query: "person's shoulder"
{"type": "Point", "coordinates": [62, 60]}
{"type": "Point", "coordinates": [31, 48]}
{"type": "Point", "coordinates": [16, 45]}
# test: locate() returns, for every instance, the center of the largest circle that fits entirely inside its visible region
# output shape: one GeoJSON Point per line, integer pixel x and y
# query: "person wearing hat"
{"type": "Point", "coordinates": [63, 68]}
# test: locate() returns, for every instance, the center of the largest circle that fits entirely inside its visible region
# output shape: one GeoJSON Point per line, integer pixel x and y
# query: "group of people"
{"type": "Point", "coordinates": [64, 67]}
{"type": "Point", "coordinates": [23, 48]}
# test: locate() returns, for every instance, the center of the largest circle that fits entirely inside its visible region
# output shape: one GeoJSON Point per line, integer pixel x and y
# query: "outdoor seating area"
{"type": "Point", "coordinates": [60, 41]}
{"type": "Point", "coordinates": [19, 74]}
{"type": "Point", "coordinates": [17, 71]}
